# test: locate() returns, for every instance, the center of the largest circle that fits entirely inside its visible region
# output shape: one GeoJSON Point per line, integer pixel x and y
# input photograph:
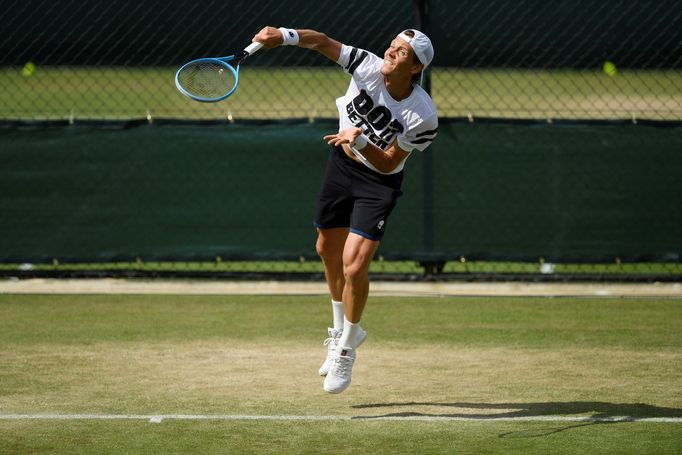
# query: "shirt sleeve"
{"type": "Point", "coordinates": [359, 63]}
{"type": "Point", "coordinates": [419, 137]}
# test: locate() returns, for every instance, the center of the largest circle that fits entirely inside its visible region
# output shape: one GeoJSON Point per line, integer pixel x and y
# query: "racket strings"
{"type": "Point", "coordinates": [207, 79]}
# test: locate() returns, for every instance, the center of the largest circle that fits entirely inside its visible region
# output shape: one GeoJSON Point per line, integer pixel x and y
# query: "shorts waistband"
{"type": "Point", "coordinates": [349, 153]}
{"type": "Point", "coordinates": [341, 153]}
{"type": "Point", "coordinates": [393, 180]}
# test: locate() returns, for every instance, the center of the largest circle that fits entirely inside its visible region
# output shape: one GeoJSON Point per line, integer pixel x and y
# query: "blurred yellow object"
{"type": "Point", "coordinates": [28, 69]}
{"type": "Point", "coordinates": [610, 68]}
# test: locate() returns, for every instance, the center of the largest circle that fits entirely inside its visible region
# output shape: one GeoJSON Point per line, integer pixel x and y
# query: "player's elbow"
{"type": "Point", "coordinates": [323, 44]}
{"type": "Point", "coordinates": [321, 41]}
{"type": "Point", "coordinates": [312, 39]}
{"type": "Point", "coordinates": [391, 159]}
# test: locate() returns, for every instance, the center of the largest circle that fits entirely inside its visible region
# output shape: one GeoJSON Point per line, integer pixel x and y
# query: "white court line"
{"type": "Point", "coordinates": [426, 418]}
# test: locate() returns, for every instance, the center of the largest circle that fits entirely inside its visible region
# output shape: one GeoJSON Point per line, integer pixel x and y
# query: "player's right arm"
{"type": "Point", "coordinates": [308, 39]}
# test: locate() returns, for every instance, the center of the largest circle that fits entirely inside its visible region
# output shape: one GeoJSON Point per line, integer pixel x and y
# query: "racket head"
{"type": "Point", "coordinates": [207, 80]}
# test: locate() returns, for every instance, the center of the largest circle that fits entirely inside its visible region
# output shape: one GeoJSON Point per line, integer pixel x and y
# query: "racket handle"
{"type": "Point", "coordinates": [253, 48]}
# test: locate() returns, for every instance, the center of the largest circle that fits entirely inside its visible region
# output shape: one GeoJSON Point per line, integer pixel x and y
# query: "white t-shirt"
{"type": "Point", "coordinates": [413, 122]}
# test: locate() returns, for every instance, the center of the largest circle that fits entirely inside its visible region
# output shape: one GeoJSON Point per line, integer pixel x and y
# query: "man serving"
{"type": "Point", "coordinates": [383, 117]}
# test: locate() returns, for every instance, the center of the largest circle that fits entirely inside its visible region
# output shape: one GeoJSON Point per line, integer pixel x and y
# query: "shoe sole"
{"type": "Point", "coordinates": [336, 391]}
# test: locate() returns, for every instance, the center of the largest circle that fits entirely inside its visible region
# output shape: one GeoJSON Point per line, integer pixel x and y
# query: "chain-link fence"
{"type": "Point", "coordinates": [568, 59]}
{"type": "Point", "coordinates": [558, 154]}
{"type": "Point", "coordinates": [576, 59]}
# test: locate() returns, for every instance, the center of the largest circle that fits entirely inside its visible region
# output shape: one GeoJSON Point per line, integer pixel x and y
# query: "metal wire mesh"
{"type": "Point", "coordinates": [571, 59]}
{"type": "Point", "coordinates": [577, 59]}
{"type": "Point", "coordinates": [116, 60]}
{"type": "Point", "coordinates": [581, 61]}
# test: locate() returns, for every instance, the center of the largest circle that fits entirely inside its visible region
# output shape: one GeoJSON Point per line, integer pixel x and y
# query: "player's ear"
{"type": "Point", "coordinates": [417, 68]}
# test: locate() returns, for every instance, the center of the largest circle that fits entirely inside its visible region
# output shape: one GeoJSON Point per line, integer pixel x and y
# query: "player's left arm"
{"type": "Point", "coordinates": [385, 160]}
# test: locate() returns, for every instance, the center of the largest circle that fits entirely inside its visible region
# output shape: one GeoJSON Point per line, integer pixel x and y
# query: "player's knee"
{"type": "Point", "coordinates": [321, 247]}
{"type": "Point", "coordinates": [354, 270]}
{"type": "Point", "coordinates": [325, 249]}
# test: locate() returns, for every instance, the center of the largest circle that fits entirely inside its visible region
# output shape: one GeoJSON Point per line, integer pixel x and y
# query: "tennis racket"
{"type": "Point", "coordinates": [212, 79]}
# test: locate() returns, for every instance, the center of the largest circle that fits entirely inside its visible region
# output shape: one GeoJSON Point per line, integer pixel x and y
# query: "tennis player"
{"type": "Point", "coordinates": [383, 117]}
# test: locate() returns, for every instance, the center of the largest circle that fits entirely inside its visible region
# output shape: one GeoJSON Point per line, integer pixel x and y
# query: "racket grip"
{"type": "Point", "coordinates": [253, 48]}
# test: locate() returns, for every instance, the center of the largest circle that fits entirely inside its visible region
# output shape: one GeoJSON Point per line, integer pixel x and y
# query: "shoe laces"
{"type": "Point", "coordinates": [342, 363]}
{"type": "Point", "coordinates": [332, 339]}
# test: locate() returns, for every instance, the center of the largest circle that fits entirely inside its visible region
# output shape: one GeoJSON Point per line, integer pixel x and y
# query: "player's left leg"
{"type": "Point", "coordinates": [357, 257]}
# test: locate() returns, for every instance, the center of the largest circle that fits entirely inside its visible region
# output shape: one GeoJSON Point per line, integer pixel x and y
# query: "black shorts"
{"type": "Point", "coordinates": [356, 197]}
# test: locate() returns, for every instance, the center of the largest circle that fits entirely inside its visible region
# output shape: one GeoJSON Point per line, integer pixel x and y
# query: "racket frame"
{"type": "Point", "coordinates": [235, 59]}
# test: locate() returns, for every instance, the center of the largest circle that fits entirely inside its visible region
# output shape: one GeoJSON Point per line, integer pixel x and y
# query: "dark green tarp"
{"type": "Point", "coordinates": [564, 192]}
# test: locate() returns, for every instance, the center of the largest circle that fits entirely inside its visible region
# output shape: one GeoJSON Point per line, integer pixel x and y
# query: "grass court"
{"type": "Point", "coordinates": [428, 363]}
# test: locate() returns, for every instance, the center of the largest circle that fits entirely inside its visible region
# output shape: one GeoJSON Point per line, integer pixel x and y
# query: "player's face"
{"type": "Point", "coordinates": [399, 59]}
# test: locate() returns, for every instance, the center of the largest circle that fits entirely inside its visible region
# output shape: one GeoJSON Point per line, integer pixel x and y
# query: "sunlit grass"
{"type": "Point", "coordinates": [258, 355]}
{"type": "Point", "coordinates": [121, 93]}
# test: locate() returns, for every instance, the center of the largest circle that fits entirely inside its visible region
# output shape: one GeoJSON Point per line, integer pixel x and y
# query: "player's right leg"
{"type": "Point", "coordinates": [329, 246]}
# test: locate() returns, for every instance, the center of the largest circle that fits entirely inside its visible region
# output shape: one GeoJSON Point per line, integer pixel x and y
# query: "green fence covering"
{"type": "Point", "coordinates": [485, 190]}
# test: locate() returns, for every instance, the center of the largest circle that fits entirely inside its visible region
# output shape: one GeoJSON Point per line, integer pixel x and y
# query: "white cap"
{"type": "Point", "coordinates": [421, 44]}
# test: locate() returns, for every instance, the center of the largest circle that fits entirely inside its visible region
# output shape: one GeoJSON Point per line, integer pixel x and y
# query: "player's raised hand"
{"type": "Point", "coordinates": [270, 37]}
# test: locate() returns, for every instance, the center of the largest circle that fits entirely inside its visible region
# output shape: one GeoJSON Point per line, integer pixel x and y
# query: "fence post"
{"type": "Point", "coordinates": [423, 23]}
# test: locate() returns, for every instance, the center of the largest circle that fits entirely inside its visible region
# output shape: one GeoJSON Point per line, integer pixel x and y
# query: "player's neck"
{"type": "Point", "coordinates": [398, 88]}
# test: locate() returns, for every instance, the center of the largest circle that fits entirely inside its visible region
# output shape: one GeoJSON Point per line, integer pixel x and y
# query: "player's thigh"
{"type": "Point", "coordinates": [330, 242]}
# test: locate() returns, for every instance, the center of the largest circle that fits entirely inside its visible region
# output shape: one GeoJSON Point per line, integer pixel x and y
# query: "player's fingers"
{"type": "Point", "coordinates": [269, 36]}
{"type": "Point", "coordinates": [328, 136]}
{"type": "Point", "coordinates": [259, 37]}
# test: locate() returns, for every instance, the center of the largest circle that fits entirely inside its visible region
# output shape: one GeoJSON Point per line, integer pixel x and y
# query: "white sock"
{"type": "Point", "coordinates": [350, 334]}
{"type": "Point", "coordinates": [337, 310]}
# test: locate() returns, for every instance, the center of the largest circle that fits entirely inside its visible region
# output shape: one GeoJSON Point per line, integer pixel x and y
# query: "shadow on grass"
{"type": "Point", "coordinates": [538, 432]}
{"type": "Point", "coordinates": [596, 410]}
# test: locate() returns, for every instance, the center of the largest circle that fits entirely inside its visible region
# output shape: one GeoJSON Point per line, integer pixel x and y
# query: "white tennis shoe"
{"type": "Point", "coordinates": [332, 343]}
{"type": "Point", "coordinates": [339, 376]}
